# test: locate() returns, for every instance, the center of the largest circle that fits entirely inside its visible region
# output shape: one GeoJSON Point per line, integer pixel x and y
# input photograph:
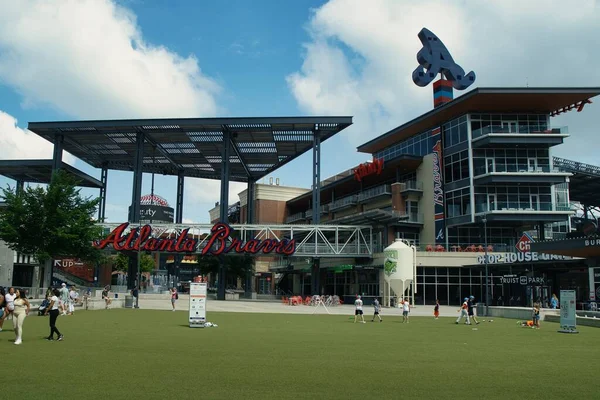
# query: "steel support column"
{"type": "Point", "coordinates": [224, 208]}
{"type": "Point", "coordinates": [102, 205]}
{"type": "Point", "coordinates": [20, 186]}
{"type": "Point", "coordinates": [136, 195]}
{"type": "Point", "coordinates": [250, 198]}
{"type": "Point", "coordinates": [58, 152]}
{"type": "Point", "coordinates": [316, 207]}
{"type": "Point", "coordinates": [179, 205]}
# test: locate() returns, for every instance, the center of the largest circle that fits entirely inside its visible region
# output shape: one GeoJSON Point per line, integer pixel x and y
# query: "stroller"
{"type": "Point", "coordinates": [43, 307]}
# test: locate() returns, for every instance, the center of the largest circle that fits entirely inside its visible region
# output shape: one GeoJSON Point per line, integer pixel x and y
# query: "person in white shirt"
{"type": "Point", "coordinates": [73, 295]}
{"type": "Point", "coordinates": [405, 310]}
{"type": "Point", "coordinates": [54, 313]}
{"type": "Point", "coordinates": [358, 305]}
{"type": "Point", "coordinates": [22, 308]}
{"type": "Point", "coordinates": [64, 298]}
{"type": "Point", "coordinates": [9, 300]}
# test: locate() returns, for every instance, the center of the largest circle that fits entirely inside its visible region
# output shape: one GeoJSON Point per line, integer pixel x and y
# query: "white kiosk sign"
{"type": "Point", "coordinates": [568, 316]}
{"type": "Point", "coordinates": [197, 316]}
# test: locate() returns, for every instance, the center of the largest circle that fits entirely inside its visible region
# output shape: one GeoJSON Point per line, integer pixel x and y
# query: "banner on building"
{"type": "Point", "coordinates": [568, 315]}
{"type": "Point", "coordinates": [438, 187]}
{"type": "Point", "coordinates": [197, 313]}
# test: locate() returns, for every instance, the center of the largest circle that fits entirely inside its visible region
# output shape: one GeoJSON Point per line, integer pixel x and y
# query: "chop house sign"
{"type": "Point", "coordinates": [220, 242]}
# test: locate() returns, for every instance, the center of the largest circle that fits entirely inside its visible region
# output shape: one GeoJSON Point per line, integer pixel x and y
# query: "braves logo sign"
{"type": "Point", "coordinates": [434, 58]}
{"type": "Point", "coordinates": [368, 168]}
{"type": "Point", "coordinates": [438, 191]}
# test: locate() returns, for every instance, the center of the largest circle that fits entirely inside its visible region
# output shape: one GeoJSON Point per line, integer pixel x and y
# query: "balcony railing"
{"type": "Point", "coordinates": [411, 185]}
{"type": "Point", "coordinates": [522, 206]}
{"type": "Point", "coordinates": [521, 129]}
{"type": "Point", "coordinates": [295, 217]}
{"type": "Point", "coordinates": [513, 168]}
{"type": "Point", "coordinates": [344, 202]}
{"type": "Point", "coordinates": [409, 217]}
{"type": "Point", "coordinates": [383, 190]}
{"type": "Point", "coordinates": [324, 209]}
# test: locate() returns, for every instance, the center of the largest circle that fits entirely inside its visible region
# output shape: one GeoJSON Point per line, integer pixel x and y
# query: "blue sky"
{"type": "Point", "coordinates": [99, 59]}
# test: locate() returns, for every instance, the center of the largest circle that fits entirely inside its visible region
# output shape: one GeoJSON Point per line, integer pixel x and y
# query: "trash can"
{"type": "Point", "coordinates": [128, 301]}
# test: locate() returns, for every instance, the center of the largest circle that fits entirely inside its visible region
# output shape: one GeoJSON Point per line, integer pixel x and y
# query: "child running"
{"type": "Point", "coordinates": [376, 309]}
{"type": "Point", "coordinates": [436, 310]}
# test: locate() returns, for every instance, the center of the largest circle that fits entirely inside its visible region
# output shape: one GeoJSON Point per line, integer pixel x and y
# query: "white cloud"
{"type": "Point", "coordinates": [88, 59]}
{"type": "Point", "coordinates": [361, 55]}
{"type": "Point", "coordinates": [208, 191]}
{"type": "Point", "coordinates": [18, 144]}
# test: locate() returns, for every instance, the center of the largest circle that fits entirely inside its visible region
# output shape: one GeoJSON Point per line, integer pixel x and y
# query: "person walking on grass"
{"type": "Point", "coordinates": [358, 305]}
{"type": "Point", "coordinates": [405, 311]}
{"type": "Point", "coordinates": [436, 309]}
{"type": "Point", "coordinates": [464, 312]}
{"type": "Point", "coordinates": [73, 296]}
{"type": "Point", "coordinates": [9, 300]}
{"type": "Point", "coordinates": [2, 307]}
{"type": "Point", "coordinates": [471, 309]}
{"type": "Point", "coordinates": [22, 308]}
{"type": "Point", "coordinates": [64, 298]}
{"type": "Point", "coordinates": [174, 297]}
{"type": "Point", "coordinates": [54, 311]}
{"type": "Point", "coordinates": [376, 310]}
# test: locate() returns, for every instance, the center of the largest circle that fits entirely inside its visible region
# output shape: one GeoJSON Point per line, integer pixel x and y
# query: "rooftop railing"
{"type": "Point", "coordinates": [522, 206]}
{"type": "Point", "coordinates": [513, 168]}
{"type": "Point", "coordinates": [343, 202]}
{"type": "Point", "coordinates": [520, 129]}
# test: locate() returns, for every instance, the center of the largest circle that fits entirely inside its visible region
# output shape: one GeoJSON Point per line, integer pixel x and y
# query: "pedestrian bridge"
{"type": "Point", "coordinates": [311, 240]}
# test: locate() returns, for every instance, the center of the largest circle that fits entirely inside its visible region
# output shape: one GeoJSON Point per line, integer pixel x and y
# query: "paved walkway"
{"type": "Point", "coordinates": [247, 306]}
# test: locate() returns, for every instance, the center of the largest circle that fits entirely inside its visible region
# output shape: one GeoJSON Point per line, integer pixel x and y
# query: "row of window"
{"type": "Point", "coordinates": [418, 145]}
{"type": "Point", "coordinates": [455, 132]}
{"type": "Point", "coordinates": [456, 167]}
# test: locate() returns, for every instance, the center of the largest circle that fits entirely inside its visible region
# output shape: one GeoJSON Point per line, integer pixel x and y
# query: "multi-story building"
{"type": "Point", "coordinates": [270, 207]}
{"type": "Point", "coordinates": [472, 175]}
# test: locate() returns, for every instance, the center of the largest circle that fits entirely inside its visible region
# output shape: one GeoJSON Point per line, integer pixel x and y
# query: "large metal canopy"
{"type": "Point", "coordinates": [40, 171]}
{"type": "Point", "coordinates": [193, 146]}
{"type": "Point", "coordinates": [584, 183]}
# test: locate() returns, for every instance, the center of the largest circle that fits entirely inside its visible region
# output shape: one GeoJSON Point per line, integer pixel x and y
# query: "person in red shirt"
{"type": "Point", "coordinates": [464, 312]}
{"type": "Point", "coordinates": [436, 309]}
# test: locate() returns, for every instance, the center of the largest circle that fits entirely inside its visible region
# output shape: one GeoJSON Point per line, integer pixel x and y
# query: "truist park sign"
{"type": "Point", "coordinates": [220, 241]}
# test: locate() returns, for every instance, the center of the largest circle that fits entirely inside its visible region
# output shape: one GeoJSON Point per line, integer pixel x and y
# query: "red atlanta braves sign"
{"type": "Point", "coordinates": [368, 168]}
{"type": "Point", "coordinates": [220, 242]}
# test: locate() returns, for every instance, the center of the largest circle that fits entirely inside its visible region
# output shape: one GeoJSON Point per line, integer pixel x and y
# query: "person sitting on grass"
{"type": "Point", "coordinates": [526, 324]}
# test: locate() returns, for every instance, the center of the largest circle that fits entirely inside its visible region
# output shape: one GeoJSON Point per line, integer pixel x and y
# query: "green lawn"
{"type": "Point", "coordinates": [145, 354]}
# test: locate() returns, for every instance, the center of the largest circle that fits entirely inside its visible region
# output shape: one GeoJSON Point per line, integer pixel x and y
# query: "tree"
{"type": "Point", "coordinates": [121, 262]}
{"type": "Point", "coordinates": [50, 222]}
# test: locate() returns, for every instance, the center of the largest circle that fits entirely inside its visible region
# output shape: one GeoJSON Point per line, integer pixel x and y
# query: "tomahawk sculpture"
{"type": "Point", "coordinates": [434, 58]}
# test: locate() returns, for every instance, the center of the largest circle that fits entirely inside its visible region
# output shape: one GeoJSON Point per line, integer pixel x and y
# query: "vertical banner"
{"type": "Point", "coordinates": [568, 316]}
{"type": "Point", "coordinates": [438, 187]}
{"type": "Point", "coordinates": [197, 316]}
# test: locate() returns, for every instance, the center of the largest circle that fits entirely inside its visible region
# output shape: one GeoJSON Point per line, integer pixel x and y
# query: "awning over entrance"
{"type": "Point", "coordinates": [578, 247]}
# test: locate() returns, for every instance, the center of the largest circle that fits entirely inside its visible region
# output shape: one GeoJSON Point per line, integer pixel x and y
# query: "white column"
{"type": "Point", "coordinates": [592, 293]}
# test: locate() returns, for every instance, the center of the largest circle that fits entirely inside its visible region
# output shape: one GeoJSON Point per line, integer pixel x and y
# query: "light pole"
{"type": "Point", "coordinates": [485, 260]}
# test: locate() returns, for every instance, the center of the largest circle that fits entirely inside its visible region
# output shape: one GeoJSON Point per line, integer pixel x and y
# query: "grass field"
{"type": "Point", "coordinates": [145, 354]}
